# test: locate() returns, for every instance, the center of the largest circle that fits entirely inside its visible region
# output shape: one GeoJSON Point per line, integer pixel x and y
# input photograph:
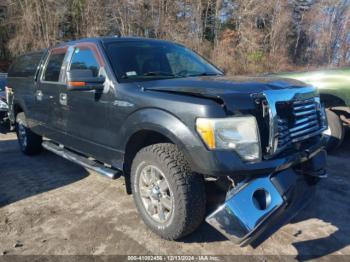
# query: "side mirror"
{"type": "Point", "coordinates": [83, 80]}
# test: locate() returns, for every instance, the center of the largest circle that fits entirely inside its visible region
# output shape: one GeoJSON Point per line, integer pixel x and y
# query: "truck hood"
{"type": "Point", "coordinates": [236, 93]}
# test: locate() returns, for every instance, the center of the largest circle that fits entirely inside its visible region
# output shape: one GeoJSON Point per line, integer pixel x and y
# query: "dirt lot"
{"type": "Point", "coordinates": [51, 206]}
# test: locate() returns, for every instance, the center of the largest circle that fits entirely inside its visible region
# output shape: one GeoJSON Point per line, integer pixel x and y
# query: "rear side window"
{"type": "Point", "coordinates": [25, 66]}
{"type": "Point", "coordinates": [53, 67]}
{"type": "Point", "coordinates": [3, 83]}
{"type": "Point", "coordinates": [84, 59]}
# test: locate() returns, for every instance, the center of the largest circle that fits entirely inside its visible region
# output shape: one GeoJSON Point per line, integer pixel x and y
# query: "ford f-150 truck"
{"type": "Point", "coordinates": [167, 120]}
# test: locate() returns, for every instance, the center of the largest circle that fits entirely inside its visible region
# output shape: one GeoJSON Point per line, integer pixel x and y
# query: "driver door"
{"type": "Point", "coordinates": [88, 122]}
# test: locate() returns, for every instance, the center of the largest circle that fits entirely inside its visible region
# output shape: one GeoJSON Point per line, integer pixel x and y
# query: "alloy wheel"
{"type": "Point", "coordinates": [155, 193]}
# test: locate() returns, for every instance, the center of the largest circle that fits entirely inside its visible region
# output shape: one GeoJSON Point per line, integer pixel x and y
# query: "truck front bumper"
{"type": "Point", "coordinates": [257, 208]}
{"type": "Point", "coordinates": [226, 163]}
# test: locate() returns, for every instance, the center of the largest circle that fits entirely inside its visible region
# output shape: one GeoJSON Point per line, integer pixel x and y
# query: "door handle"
{"type": "Point", "coordinates": [63, 99]}
{"type": "Point", "coordinates": [39, 95]}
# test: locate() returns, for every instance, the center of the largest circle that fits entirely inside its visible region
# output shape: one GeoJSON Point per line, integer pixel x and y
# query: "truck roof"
{"type": "Point", "coordinates": [109, 39]}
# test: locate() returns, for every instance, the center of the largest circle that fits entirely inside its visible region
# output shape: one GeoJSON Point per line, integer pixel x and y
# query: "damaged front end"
{"type": "Point", "coordinates": [255, 209]}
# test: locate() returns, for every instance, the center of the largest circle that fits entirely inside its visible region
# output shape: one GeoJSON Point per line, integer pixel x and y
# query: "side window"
{"type": "Point", "coordinates": [15, 68]}
{"type": "Point", "coordinates": [53, 67]}
{"type": "Point", "coordinates": [25, 66]}
{"type": "Point", "coordinates": [84, 59]}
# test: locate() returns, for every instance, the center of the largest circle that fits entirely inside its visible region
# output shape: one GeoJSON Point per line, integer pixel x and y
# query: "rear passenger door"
{"type": "Point", "coordinates": [48, 94]}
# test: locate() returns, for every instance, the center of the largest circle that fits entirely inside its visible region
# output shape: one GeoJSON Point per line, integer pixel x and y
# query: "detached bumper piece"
{"type": "Point", "coordinates": [253, 211]}
{"type": "Point", "coordinates": [245, 209]}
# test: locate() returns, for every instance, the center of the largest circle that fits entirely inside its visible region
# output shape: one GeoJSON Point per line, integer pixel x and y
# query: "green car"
{"type": "Point", "coordinates": [334, 88]}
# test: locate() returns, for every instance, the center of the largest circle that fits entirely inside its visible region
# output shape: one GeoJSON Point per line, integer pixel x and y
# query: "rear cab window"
{"type": "Point", "coordinates": [3, 83]}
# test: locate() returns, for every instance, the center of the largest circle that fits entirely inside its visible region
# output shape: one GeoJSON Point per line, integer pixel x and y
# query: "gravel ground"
{"type": "Point", "coordinates": [53, 207]}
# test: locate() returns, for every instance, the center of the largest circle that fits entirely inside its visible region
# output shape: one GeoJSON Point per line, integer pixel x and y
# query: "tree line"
{"type": "Point", "coordinates": [240, 36]}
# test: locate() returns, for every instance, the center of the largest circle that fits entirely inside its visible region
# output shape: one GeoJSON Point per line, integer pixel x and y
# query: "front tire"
{"type": "Point", "coordinates": [333, 137]}
{"type": "Point", "coordinates": [29, 142]}
{"type": "Point", "coordinates": [169, 197]}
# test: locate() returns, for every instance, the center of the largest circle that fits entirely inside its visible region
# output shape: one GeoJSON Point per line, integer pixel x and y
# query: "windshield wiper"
{"type": "Point", "coordinates": [204, 74]}
{"type": "Point", "coordinates": [158, 73]}
{"type": "Point", "coordinates": [151, 73]}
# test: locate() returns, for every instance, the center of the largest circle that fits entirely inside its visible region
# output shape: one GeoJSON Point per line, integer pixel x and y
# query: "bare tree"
{"type": "Point", "coordinates": [242, 36]}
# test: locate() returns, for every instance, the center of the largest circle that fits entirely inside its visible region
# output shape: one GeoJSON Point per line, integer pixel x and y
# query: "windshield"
{"type": "Point", "coordinates": [140, 61]}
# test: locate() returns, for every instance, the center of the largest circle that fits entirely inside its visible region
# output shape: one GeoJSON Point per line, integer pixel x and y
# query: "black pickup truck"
{"type": "Point", "coordinates": [168, 121]}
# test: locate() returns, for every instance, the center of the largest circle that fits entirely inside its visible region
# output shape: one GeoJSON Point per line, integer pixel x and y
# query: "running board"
{"type": "Point", "coordinates": [81, 160]}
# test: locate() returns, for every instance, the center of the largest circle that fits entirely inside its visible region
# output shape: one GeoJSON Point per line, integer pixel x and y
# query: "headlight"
{"type": "Point", "coordinates": [3, 105]}
{"type": "Point", "coordinates": [233, 133]}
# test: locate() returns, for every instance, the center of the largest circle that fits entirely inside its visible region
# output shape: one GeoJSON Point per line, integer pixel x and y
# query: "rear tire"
{"type": "Point", "coordinates": [334, 136]}
{"type": "Point", "coordinates": [29, 142]}
{"type": "Point", "coordinates": [165, 165]}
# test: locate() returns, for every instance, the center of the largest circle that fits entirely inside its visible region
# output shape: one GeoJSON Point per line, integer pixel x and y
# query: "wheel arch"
{"type": "Point", "coordinates": [330, 100]}
{"type": "Point", "coordinates": [139, 140]}
{"type": "Point", "coordinates": [151, 126]}
{"type": "Point", "coordinates": [15, 110]}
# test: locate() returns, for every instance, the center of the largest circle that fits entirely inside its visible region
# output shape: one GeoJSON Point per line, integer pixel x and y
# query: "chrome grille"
{"type": "Point", "coordinates": [305, 120]}
{"type": "Point", "coordinates": [300, 117]}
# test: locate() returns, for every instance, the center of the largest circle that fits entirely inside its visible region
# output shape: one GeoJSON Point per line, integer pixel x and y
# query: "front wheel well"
{"type": "Point", "coordinates": [331, 100]}
{"type": "Point", "coordinates": [136, 142]}
{"type": "Point", "coordinates": [337, 106]}
{"type": "Point", "coordinates": [17, 109]}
